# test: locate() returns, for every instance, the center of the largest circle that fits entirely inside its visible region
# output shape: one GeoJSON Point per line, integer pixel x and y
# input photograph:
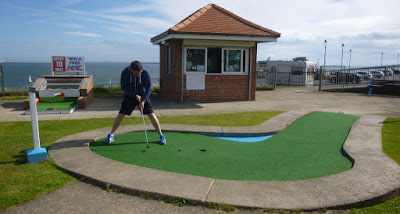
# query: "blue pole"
{"type": "Point", "coordinates": [370, 86]}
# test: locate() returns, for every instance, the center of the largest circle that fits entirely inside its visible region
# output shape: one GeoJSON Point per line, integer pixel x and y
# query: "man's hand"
{"type": "Point", "coordinates": [138, 98]}
{"type": "Point", "coordinates": [141, 103]}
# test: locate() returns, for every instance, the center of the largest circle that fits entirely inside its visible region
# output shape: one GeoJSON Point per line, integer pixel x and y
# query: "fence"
{"type": "Point", "coordinates": [333, 77]}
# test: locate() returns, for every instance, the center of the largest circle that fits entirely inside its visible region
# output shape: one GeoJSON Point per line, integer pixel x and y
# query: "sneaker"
{"type": "Point", "coordinates": [109, 139]}
{"type": "Point", "coordinates": [162, 140]}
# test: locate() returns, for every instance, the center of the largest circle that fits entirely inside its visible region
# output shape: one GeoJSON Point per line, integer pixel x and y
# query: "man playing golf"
{"type": "Point", "coordinates": [136, 84]}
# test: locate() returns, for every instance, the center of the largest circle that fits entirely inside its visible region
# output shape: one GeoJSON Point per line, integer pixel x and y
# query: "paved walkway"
{"type": "Point", "coordinates": [281, 100]}
{"type": "Point", "coordinates": [374, 176]}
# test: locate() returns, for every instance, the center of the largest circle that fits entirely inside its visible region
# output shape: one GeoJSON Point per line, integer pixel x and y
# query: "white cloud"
{"type": "Point", "coordinates": [36, 21]}
{"type": "Point", "coordinates": [69, 25]}
{"type": "Point", "coordinates": [78, 33]}
{"type": "Point", "coordinates": [130, 30]}
{"type": "Point", "coordinates": [367, 27]}
{"type": "Point", "coordinates": [128, 9]}
{"type": "Point", "coordinates": [142, 21]}
{"type": "Point", "coordinates": [131, 24]}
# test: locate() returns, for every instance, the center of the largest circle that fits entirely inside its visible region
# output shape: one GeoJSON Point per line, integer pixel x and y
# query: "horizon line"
{"type": "Point", "coordinates": [42, 61]}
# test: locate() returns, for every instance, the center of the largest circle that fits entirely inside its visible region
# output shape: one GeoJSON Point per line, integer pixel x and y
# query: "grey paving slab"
{"type": "Point", "coordinates": [80, 197]}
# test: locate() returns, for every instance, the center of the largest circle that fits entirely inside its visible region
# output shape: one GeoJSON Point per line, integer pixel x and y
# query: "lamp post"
{"type": "Point", "coordinates": [341, 61]}
{"type": "Point", "coordinates": [398, 58]}
{"type": "Point", "coordinates": [381, 59]}
{"type": "Point", "coordinates": [341, 66]}
{"type": "Point", "coordinates": [320, 73]}
{"type": "Point", "coordinates": [349, 59]}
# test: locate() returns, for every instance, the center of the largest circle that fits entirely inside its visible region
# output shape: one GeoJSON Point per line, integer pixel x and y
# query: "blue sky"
{"type": "Point", "coordinates": [120, 30]}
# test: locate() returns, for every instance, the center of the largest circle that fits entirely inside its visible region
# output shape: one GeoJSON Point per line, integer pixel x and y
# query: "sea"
{"type": "Point", "coordinates": [17, 75]}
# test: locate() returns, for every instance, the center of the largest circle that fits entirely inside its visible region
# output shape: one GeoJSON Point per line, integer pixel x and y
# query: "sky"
{"type": "Point", "coordinates": [120, 30]}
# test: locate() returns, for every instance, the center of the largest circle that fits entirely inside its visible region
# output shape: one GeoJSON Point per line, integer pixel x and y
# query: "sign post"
{"type": "Point", "coordinates": [36, 154]}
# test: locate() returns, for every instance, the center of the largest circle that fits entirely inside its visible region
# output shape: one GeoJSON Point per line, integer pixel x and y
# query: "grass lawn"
{"type": "Point", "coordinates": [391, 147]}
{"type": "Point", "coordinates": [21, 182]}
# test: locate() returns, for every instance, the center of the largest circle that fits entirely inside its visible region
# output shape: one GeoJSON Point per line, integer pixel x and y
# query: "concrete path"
{"type": "Point", "coordinates": [281, 100]}
{"type": "Point", "coordinates": [374, 176]}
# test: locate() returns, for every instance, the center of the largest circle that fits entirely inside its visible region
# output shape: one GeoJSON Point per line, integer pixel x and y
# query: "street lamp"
{"type": "Point", "coordinates": [349, 59]}
{"type": "Point", "coordinates": [341, 67]}
{"type": "Point", "coordinates": [381, 58]}
{"type": "Point", "coordinates": [320, 73]}
{"type": "Point", "coordinates": [398, 58]}
{"type": "Point", "coordinates": [341, 61]}
{"type": "Point", "coordinates": [354, 80]}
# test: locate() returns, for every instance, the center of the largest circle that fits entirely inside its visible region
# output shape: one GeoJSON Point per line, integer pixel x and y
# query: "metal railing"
{"type": "Point", "coordinates": [361, 77]}
{"type": "Point", "coordinates": [333, 77]}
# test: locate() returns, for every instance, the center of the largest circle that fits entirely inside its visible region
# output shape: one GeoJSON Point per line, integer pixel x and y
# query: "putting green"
{"type": "Point", "coordinates": [311, 147]}
{"type": "Point", "coordinates": [57, 103]}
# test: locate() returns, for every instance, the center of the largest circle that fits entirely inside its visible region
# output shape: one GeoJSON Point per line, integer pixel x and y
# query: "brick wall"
{"type": "Point", "coordinates": [220, 88]}
{"type": "Point", "coordinates": [170, 84]}
{"type": "Point", "coordinates": [217, 87]}
{"type": "Point", "coordinates": [86, 93]}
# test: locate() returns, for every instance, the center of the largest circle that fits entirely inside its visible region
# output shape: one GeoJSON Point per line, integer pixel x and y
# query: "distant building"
{"type": "Point", "coordinates": [300, 71]}
{"type": "Point", "coordinates": [210, 56]}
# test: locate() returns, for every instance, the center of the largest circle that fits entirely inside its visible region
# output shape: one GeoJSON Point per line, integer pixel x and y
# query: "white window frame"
{"type": "Point", "coordinates": [205, 60]}
{"type": "Point", "coordinates": [246, 58]}
{"type": "Point", "coordinates": [241, 72]}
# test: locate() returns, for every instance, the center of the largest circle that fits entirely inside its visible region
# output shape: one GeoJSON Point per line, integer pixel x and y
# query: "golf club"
{"type": "Point", "coordinates": [144, 126]}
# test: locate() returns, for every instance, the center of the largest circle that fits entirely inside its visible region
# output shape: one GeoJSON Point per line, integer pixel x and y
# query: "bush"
{"type": "Point", "coordinates": [262, 87]}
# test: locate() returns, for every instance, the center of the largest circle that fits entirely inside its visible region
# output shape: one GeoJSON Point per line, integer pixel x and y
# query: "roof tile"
{"type": "Point", "coordinates": [213, 19]}
{"type": "Point", "coordinates": [180, 25]}
{"type": "Point", "coordinates": [203, 10]}
{"type": "Point", "coordinates": [186, 22]}
{"type": "Point", "coordinates": [208, 6]}
{"type": "Point", "coordinates": [175, 28]}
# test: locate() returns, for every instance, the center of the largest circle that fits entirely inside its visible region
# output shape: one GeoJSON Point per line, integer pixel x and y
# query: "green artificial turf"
{"type": "Point", "coordinates": [309, 148]}
{"type": "Point", "coordinates": [57, 103]}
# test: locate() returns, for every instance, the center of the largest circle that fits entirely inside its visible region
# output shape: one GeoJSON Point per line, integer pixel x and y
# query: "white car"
{"type": "Point", "coordinates": [388, 72]}
{"type": "Point", "coordinates": [377, 74]}
{"type": "Point", "coordinates": [365, 75]}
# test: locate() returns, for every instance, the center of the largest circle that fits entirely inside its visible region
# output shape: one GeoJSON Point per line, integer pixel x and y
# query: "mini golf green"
{"type": "Point", "coordinates": [57, 103]}
{"type": "Point", "coordinates": [311, 147]}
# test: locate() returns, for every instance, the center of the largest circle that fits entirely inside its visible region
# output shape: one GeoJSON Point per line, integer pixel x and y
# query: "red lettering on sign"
{"type": "Point", "coordinates": [58, 64]}
{"type": "Point", "coordinates": [217, 77]}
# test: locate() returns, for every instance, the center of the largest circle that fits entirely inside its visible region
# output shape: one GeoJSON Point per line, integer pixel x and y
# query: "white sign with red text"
{"type": "Point", "coordinates": [68, 64]}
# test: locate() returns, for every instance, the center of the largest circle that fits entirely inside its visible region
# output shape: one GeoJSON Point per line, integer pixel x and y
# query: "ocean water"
{"type": "Point", "coordinates": [16, 74]}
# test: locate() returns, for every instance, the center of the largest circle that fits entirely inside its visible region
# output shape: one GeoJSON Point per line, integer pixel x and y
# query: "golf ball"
{"type": "Point", "coordinates": [180, 149]}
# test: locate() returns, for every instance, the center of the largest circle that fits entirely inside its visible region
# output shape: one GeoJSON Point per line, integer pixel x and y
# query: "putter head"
{"type": "Point", "coordinates": [148, 146]}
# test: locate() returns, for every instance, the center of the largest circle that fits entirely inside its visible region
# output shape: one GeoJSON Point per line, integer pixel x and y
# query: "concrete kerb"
{"type": "Point", "coordinates": [374, 177]}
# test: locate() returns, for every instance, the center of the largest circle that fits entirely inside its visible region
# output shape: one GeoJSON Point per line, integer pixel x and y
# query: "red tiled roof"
{"type": "Point", "coordinates": [215, 20]}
